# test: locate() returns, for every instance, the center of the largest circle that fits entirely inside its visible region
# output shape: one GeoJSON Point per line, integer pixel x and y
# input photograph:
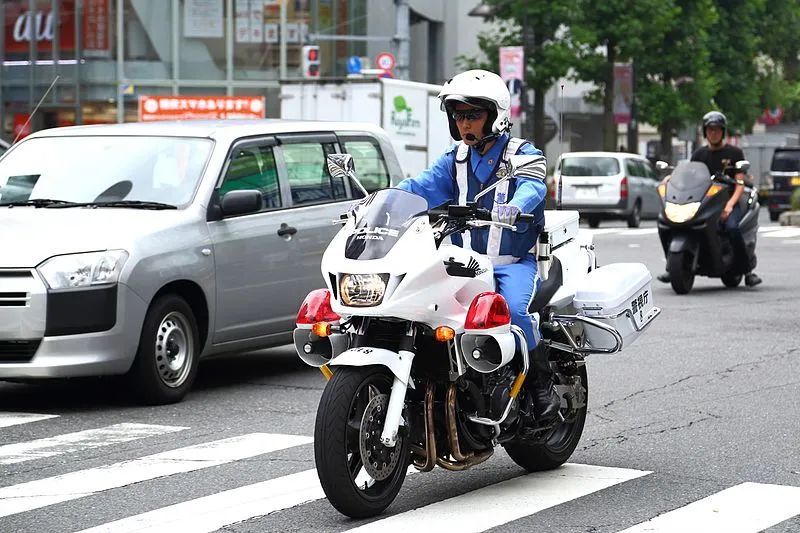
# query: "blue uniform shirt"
{"type": "Point", "coordinates": [438, 186]}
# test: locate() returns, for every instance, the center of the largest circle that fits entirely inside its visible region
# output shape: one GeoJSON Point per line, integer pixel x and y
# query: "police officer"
{"type": "Point", "coordinates": [720, 156]}
{"type": "Point", "coordinates": [477, 104]}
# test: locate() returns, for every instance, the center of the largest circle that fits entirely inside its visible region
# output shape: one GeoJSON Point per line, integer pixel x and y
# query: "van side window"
{"type": "Point", "coordinates": [650, 172]}
{"type": "Point", "coordinates": [370, 165]}
{"type": "Point", "coordinates": [253, 167]}
{"type": "Point", "coordinates": [308, 176]}
{"type": "Point", "coordinates": [634, 168]}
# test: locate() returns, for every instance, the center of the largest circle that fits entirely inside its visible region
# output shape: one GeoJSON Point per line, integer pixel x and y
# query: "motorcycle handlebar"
{"type": "Point", "coordinates": [474, 212]}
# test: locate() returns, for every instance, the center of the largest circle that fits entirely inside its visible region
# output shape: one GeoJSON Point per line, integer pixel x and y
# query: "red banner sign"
{"type": "Point", "coordinates": [22, 26]}
{"type": "Point", "coordinates": [200, 107]}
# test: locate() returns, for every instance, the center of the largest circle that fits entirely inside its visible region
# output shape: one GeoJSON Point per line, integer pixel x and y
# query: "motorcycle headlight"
{"type": "Point", "coordinates": [680, 213]}
{"type": "Point", "coordinates": [83, 270]}
{"type": "Point", "coordinates": [363, 290]}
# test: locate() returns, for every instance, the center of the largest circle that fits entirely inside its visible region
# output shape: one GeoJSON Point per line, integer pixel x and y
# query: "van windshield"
{"type": "Point", "coordinates": [589, 166]}
{"type": "Point", "coordinates": [786, 161]}
{"type": "Point", "coordinates": [104, 169]}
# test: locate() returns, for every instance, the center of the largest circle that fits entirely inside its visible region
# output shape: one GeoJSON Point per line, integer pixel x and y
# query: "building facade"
{"type": "Point", "coordinates": [89, 61]}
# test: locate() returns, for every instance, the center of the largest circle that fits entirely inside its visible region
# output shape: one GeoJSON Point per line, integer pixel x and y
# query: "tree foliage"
{"type": "Point", "coordinates": [690, 56]}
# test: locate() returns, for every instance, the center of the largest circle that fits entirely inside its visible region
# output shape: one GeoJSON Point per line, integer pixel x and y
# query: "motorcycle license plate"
{"type": "Point", "coordinates": [796, 181]}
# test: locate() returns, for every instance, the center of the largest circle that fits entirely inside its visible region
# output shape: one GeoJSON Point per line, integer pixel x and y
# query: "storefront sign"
{"type": "Point", "coordinates": [22, 26]}
{"type": "Point", "coordinates": [203, 18]}
{"type": "Point", "coordinates": [623, 92]}
{"type": "Point", "coordinates": [153, 108]}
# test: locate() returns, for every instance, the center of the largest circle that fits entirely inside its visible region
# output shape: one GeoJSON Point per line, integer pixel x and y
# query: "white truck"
{"type": "Point", "coordinates": [408, 111]}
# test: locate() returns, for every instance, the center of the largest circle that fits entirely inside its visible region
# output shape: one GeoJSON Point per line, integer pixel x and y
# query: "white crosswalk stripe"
{"type": "Point", "coordinates": [783, 233]}
{"type": "Point", "coordinates": [509, 500]}
{"type": "Point", "coordinates": [210, 513]}
{"type": "Point", "coordinates": [78, 441]}
{"type": "Point", "coordinates": [43, 492]}
{"type": "Point", "coordinates": [745, 508]}
{"type": "Point", "coordinates": [14, 419]}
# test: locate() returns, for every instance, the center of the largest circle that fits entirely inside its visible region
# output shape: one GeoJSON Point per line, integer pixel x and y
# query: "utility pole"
{"type": "Point", "coordinates": [401, 38]}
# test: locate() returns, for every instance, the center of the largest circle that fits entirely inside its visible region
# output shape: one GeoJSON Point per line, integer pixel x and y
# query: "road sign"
{"type": "Point", "coordinates": [353, 65]}
{"type": "Point", "coordinates": [385, 61]}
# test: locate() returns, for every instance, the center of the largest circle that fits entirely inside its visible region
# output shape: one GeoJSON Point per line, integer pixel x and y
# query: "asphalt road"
{"type": "Point", "coordinates": [698, 421]}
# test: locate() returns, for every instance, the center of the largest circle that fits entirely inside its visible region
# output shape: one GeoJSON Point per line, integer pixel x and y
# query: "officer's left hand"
{"type": "Point", "coordinates": [505, 213]}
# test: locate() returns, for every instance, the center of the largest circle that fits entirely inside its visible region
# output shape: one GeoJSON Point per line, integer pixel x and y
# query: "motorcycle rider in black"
{"type": "Point", "coordinates": [720, 156]}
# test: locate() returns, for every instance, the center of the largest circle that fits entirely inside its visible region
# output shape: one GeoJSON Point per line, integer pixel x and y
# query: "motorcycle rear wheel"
{"type": "Point", "coordinates": [681, 275]}
{"type": "Point", "coordinates": [338, 434]}
{"type": "Point", "coordinates": [558, 446]}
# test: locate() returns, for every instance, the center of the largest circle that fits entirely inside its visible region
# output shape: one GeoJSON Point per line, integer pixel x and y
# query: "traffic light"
{"type": "Point", "coordinates": [310, 61]}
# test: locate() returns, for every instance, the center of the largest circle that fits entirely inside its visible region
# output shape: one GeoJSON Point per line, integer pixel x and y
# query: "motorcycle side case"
{"type": "Point", "coordinates": [618, 295]}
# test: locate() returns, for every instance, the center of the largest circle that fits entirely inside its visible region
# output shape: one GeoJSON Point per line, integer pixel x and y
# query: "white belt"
{"type": "Point", "coordinates": [503, 260]}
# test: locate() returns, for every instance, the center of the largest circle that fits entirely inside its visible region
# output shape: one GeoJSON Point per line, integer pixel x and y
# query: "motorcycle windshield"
{"type": "Point", "coordinates": [689, 182]}
{"type": "Point", "coordinates": [383, 217]}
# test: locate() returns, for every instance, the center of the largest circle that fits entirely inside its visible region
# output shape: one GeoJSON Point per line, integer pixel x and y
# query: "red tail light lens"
{"type": "Point", "coordinates": [623, 188]}
{"type": "Point", "coordinates": [488, 310]}
{"type": "Point", "coordinates": [317, 308]}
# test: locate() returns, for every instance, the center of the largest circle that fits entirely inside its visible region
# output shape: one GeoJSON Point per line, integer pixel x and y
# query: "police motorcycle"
{"type": "Point", "coordinates": [689, 225]}
{"type": "Point", "coordinates": [420, 354]}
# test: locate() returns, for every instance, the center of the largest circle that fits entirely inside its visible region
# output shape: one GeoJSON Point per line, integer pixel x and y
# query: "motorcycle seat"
{"type": "Point", "coordinates": [548, 287]}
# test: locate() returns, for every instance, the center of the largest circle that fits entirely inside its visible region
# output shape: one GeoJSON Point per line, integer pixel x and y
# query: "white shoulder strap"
{"type": "Point", "coordinates": [462, 182]}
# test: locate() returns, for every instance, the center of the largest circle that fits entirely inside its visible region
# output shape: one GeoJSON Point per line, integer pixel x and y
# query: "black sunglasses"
{"type": "Point", "coordinates": [473, 114]}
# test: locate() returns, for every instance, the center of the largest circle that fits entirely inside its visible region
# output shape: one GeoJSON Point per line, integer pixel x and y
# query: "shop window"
{"type": "Point", "coordinates": [253, 168]}
{"type": "Point", "coordinates": [308, 176]}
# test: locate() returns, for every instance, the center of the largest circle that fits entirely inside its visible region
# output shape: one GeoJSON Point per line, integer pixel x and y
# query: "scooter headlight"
{"type": "Point", "coordinates": [680, 213]}
{"type": "Point", "coordinates": [363, 290]}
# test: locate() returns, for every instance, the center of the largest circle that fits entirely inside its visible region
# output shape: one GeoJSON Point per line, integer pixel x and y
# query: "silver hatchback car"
{"type": "Point", "coordinates": [608, 185]}
{"type": "Point", "coordinates": [138, 248]}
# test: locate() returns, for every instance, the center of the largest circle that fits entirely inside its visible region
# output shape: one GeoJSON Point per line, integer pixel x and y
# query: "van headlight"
{"type": "Point", "coordinates": [83, 270]}
{"type": "Point", "coordinates": [680, 213]}
{"type": "Point", "coordinates": [363, 290]}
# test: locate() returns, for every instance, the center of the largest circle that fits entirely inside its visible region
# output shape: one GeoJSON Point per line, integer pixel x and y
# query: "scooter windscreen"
{"type": "Point", "coordinates": [689, 182]}
{"type": "Point", "coordinates": [382, 219]}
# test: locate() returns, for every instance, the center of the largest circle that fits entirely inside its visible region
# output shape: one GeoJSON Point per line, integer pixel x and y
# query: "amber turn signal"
{"type": "Point", "coordinates": [321, 329]}
{"type": "Point", "coordinates": [444, 334]}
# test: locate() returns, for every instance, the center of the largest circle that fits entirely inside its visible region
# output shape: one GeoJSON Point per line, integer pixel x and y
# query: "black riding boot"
{"type": "Point", "coordinates": [546, 401]}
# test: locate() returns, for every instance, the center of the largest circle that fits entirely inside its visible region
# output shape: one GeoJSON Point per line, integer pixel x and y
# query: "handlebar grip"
{"type": "Point", "coordinates": [483, 214]}
{"type": "Point", "coordinates": [527, 218]}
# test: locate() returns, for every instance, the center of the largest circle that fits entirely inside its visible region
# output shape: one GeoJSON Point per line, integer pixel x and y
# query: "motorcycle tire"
{"type": "Point", "coordinates": [337, 443]}
{"type": "Point", "coordinates": [732, 280]}
{"type": "Point", "coordinates": [681, 275]}
{"type": "Point", "coordinates": [557, 447]}
{"type": "Point", "coordinates": [594, 222]}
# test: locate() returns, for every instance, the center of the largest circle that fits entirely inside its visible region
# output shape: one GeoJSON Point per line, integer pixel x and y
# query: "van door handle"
{"type": "Point", "coordinates": [286, 230]}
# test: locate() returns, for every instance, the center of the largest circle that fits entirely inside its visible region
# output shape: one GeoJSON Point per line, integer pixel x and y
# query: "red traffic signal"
{"type": "Point", "coordinates": [310, 61]}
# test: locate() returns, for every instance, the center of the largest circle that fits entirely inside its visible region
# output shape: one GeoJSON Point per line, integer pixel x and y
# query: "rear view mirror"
{"type": "Point", "coordinates": [743, 165]}
{"type": "Point", "coordinates": [241, 202]}
{"type": "Point", "coordinates": [662, 165]}
{"type": "Point", "coordinates": [342, 166]}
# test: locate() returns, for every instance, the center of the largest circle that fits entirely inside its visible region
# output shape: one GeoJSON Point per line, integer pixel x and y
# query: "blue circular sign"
{"type": "Point", "coordinates": [353, 65]}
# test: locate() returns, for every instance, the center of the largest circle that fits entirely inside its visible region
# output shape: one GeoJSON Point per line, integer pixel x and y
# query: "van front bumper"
{"type": "Point", "coordinates": [71, 333]}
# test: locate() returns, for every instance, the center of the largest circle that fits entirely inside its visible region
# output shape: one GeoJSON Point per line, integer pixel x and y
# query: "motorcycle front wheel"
{"type": "Point", "coordinates": [557, 446]}
{"type": "Point", "coordinates": [681, 274]}
{"type": "Point", "coordinates": [360, 476]}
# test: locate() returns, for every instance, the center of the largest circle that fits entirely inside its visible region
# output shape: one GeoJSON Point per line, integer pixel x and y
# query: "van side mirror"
{"type": "Point", "coordinates": [242, 202]}
{"type": "Point", "coordinates": [342, 166]}
{"type": "Point", "coordinates": [662, 165]}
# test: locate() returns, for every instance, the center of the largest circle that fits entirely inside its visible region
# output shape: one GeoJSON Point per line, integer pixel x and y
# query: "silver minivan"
{"type": "Point", "coordinates": [136, 249]}
{"type": "Point", "coordinates": [608, 185]}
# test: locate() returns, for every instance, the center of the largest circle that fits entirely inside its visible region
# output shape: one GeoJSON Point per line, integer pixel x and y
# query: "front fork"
{"type": "Point", "coordinates": [394, 412]}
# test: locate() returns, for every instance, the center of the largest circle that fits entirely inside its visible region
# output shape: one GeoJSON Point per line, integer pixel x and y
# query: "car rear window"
{"type": "Point", "coordinates": [589, 166]}
{"type": "Point", "coordinates": [786, 161]}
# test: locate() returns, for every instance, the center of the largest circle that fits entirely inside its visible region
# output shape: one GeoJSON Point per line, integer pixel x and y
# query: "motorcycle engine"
{"type": "Point", "coordinates": [497, 388]}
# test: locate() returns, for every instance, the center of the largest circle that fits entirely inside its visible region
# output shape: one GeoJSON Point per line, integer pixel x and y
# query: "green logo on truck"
{"type": "Point", "coordinates": [402, 117]}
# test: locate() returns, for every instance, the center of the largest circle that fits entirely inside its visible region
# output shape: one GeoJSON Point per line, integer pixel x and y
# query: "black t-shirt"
{"type": "Point", "coordinates": [723, 159]}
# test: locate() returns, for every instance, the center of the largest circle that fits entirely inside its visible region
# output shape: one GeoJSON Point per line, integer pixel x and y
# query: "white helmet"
{"type": "Point", "coordinates": [479, 88]}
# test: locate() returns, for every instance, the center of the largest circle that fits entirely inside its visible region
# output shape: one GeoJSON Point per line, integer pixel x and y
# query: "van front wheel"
{"type": "Point", "coordinates": [169, 348]}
